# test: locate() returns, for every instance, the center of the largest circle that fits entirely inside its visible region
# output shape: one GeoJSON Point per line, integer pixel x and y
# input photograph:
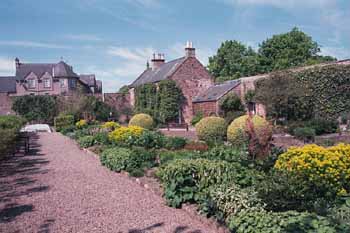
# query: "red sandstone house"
{"type": "Point", "coordinates": [45, 79]}
{"type": "Point", "coordinates": [196, 83]}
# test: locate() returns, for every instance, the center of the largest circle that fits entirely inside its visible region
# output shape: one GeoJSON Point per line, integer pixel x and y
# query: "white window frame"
{"type": "Point", "coordinates": [31, 83]}
{"type": "Point", "coordinates": [47, 83]}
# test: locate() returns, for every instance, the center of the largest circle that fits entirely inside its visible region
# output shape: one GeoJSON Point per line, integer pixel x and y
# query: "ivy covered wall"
{"type": "Point", "coordinates": [162, 101]}
{"type": "Point", "coordinates": [320, 92]}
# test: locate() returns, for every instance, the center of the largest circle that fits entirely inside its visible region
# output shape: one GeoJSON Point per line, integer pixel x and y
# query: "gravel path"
{"type": "Point", "coordinates": [59, 188]}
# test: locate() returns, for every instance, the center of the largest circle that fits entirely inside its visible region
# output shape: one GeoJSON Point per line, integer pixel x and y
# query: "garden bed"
{"type": "Point", "coordinates": [227, 182]}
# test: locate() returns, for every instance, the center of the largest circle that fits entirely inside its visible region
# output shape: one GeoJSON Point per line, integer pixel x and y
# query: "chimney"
{"type": "Point", "coordinates": [17, 62]}
{"type": "Point", "coordinates": [157, 61]}
{"type": "Point", "coordinates": [190, 51]}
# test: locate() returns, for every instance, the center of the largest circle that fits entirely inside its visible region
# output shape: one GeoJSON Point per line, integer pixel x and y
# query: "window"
{"type": "Point", "coordinates": [72, 83]}
{"type": "Point", "coordinates": [47, 83]}
{"type": "Point", "coordinates": [31, 83]}
{"type": "Point", "coordinates": [62, 83]}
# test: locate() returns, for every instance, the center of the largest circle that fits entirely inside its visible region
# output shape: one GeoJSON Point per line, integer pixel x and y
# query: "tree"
{"type": "Point", "coordinates": [234, 59]}
{"type": "Point", "coordinates": [124, 89]}
{"type": "Point", "coordinates": [282, 96]}
{"type": "Point", "coordinates": [36, 108]}
{"type": "Point", "coordinates": [289, 49]}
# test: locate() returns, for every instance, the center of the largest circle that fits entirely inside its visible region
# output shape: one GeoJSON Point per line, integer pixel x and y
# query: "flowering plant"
{"type": "Point", "coordinates": [81, 124]}
{"type": "Point", "coordinates": [324, 166]}
{"type": "Point", "coordinates": [122, 134]}
{"type": "Point", "coordinates": [110, 125]}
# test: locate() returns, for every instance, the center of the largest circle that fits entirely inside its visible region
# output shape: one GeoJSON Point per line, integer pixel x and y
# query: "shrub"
{"type": "Point", "coordinates": [237, 132]}
{"type": "Point", "coordinates": [7, 141]}
{"type": "Point", "coordinates": [196, 118]}
{"type": "Point", "coordinates": [81, 124]}
{"type": "Point", "coordinates": [63, 121]}
{"type": "Point", "coordinates": [323, 126]}
{"type": "Point", "coordinates": [231, 103]}
{"type": "Point", "coordinates": [211, 129]}
{"type": "Point", "coordinates": [185, 180]}
{"type": "Point", "coordinates": [175, 143]}
{"type": "Point", "coordinates": [86, 141]}
{"type": "Point", "coordinates": [227, 153]}
{"type": "Point", "coordinates": [148, 139]}
{"type": "Point", "coordinates": [9, 129]}
{"type": "Point", "coordinates": [329, 167]}
{"type": "Point", "coordinates": [225, 201]}
{"type": "Point", "coordinates": [282, 191]}
{"type": "Point", "coordinates": [110, 125]}
{"type": "Point", "coordinates": [11, 122]}
{"type": "Point", "coordinates": [291, 221]}
{"type": "Point", "coordinates": [101, 138]}
{"type": "Point", "coordinates": [42, 108]}
{"type": "Point", "coordinates": [119, 159]}
{"type": "Point", "coordinates": [305, 133]}
{"type": "Point", "coordinates": [167, 156]}
{"type": "Point", "coordinates": [67, 129]}
{"type": "Point", "coordinates": [142, 120]}
{"type": "Point", "coordinates": [122, 134]}
{"type": "Point", "coordinates": [341, 212]}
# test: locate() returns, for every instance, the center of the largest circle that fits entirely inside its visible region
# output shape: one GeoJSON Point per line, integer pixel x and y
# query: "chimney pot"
{"type": "Point", "coordinates": [17, 62]}
{"type": "Point", "coordinates": [157, 60]}
{"type": "Point", "coordinates": [190, 51]}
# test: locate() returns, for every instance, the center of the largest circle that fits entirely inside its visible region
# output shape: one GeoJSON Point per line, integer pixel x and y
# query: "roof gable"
{"type": "Point", "coordinates": [60, 69]}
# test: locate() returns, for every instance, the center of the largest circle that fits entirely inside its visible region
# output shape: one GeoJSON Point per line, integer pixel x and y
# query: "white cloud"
{"type": "Point", "coordinates": [7, 66]}
{"type": "Point", "coordinates": [33, 44]}
{"type": "Point", "coordinates": [138, 54]}
{"type": "Point", "coordinates": [83, 37]}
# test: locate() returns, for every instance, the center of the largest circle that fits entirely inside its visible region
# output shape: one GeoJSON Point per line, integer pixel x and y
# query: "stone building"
{"type": "Point", "coordinates": [188, 73]}
{"type": "Point", "coordinates": [45, 79]}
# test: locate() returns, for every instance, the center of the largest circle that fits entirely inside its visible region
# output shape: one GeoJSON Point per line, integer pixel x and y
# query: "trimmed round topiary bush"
{"type": "Point", "coordinates": [142, 120]}
{"type": "Point", "coordinates": [211, 129]}
{"type": "Point", "coordinates": [237, 132]}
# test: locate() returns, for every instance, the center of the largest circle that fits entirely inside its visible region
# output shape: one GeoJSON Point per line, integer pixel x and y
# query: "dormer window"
{"type": "Point", "coordinates": [31, 83]}
{"type": "Point", "coordinates": [47, 83]}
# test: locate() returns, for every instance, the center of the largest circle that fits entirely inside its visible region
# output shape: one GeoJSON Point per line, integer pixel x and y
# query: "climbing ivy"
{"type": "Point", "coordinates": [328, 88]}
{"type": "Point", "coordinates": [162, 100]}
{"type": "Point", "coordinates": [320, 92]}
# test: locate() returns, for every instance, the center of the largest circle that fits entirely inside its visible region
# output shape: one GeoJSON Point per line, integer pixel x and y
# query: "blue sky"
{"type": "Point", "coordinates": [114, 38]}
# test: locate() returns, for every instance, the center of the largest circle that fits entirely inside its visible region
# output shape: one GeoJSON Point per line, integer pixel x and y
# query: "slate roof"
{"type": "Point", "coordinates": [8, 84]}
{"type": "Point", "coordinates": [214, 93]}
{"type": "Point", "coordinates": [162, 73]}
{"type": "Point", "coordinates": [88, 79]}
{"type": "Point", "coordinates": [60, 69]}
